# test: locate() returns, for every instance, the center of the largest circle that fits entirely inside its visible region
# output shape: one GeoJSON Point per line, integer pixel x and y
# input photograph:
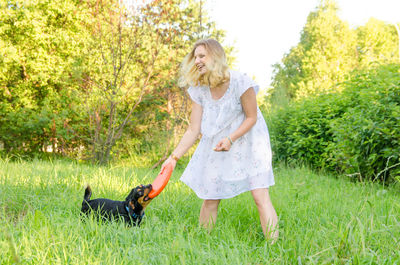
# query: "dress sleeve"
{"type": "Point", "coordinates": [245, 82]}
{"type": "Point", "coordinates": [195, 95]}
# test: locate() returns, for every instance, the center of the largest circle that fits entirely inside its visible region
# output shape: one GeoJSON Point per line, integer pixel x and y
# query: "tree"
{"type": "Point", "coordinates": [139, 51]}
{"type": "Point", "coordinates": [40, 42]}
{"type": "Point", "coordinates": [325, 54]}
{"type": "Point", "coordinates": [80, 76]}
{"type": "Point", "coordinates": [164, 112]}
{"type": "Point", "coordinates": [377, 43]}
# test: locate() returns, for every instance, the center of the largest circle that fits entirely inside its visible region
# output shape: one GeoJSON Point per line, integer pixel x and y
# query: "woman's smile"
{"type": "Point", "coordinates": [201, 58]}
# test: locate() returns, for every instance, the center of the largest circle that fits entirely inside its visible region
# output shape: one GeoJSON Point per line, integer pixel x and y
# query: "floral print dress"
{"type": "Point", "coordinates": [248, 164]}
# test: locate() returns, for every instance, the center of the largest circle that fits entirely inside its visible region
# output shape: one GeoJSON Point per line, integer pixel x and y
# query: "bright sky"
{"type": "Point", "coordinates": [264, 30]}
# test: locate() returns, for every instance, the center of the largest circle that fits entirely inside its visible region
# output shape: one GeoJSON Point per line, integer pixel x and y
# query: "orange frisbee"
{"type": "Point", "coordinates": [161, 181]}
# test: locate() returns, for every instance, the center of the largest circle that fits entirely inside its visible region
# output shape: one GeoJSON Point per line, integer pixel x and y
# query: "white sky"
{"type": "Point", "coordinates": [264, 30]}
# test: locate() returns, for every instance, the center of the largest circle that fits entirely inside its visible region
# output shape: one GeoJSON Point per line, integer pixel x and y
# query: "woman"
{"type": "Point", "coordinates": [234, 153]}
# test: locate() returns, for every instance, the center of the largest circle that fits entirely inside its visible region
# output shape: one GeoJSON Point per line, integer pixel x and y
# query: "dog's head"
{"type": "Point", "coordinates": [138, 198]}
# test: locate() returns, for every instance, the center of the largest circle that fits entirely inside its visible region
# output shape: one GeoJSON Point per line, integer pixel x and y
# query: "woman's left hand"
{"type": "Point", "coordinates": [223, 145]}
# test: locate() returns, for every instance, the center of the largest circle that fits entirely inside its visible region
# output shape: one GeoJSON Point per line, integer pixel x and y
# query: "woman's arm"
{"type": "Point", "coordinates": [192, 133]}
{"type": "Point", "coordinates": [190, 136]}
{"type": "Point", "coordinates": [249, 104]}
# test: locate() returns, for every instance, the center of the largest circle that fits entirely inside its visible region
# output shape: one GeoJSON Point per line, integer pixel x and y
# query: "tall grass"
{"type": "Point", "coordinates": [323, 220]}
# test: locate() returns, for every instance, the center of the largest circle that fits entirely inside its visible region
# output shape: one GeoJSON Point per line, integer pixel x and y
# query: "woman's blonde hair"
{"type": "Point", "coordinates": [217, 66]}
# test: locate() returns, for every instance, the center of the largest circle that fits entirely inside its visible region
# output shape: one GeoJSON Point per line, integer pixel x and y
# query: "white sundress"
{"type": "Point", "coordinates": [248, 164]}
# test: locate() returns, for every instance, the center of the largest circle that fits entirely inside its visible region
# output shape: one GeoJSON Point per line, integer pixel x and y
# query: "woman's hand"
{"type": "Point", "coordinates": [223, 145]}
{"type": "Point", "coordinates": [169, 160]}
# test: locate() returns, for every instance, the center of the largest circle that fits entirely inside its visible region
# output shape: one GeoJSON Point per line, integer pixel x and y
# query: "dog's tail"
{"type": "Point", "coordinates": [88, 193]}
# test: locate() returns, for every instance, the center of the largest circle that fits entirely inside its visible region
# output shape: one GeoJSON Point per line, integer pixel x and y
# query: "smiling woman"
{"type": "Point", "coordinates": [234, 153]}
{"type": "Point", "coordinates": [201, 59]}
{"type": "Point", "coordinates": [205, 65]}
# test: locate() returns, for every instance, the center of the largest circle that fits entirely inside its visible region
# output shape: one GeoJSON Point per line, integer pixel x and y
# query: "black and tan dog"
{"type": "Point", "coordinates": [131, 210]}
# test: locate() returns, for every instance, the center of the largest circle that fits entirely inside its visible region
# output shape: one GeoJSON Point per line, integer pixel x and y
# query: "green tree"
{"type": "Point", "coordinates": [133, 85]}
{"type": "Point", "coordinates": [377, 43]}
{"type": "Point", "coordinates": [325, 54]}
{"type": "Point", "coordinates": [82, 76]}
{"type": "Point", "coordinates": [164, 113]}
{"type": "Point", "coordinates": [40, 42]}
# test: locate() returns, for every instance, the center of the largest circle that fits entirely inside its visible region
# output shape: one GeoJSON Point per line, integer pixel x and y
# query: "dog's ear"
{"type": "Point", "coordinates": [131, 195]}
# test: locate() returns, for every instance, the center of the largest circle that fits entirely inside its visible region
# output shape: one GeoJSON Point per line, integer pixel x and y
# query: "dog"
{"type": "Point", "coordinates": [131, 210]}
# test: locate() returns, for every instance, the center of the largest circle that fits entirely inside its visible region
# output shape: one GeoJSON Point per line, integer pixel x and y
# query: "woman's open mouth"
{"type": "Point", "coordinates": [200, 68]}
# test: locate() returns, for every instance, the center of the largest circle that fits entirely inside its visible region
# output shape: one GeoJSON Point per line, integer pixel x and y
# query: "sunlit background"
{"type": "Point", "coordinates": [262, 31]}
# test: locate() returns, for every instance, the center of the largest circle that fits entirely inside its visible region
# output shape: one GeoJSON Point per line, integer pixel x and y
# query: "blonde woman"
{"type": "Point", "coordinates": [234, 153]}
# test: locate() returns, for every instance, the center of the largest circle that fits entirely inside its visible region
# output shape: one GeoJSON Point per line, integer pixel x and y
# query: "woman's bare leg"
{"type": "Point", "coordinates": [208, 213]}
{"type": "Point", "coordinates": [268, 216]}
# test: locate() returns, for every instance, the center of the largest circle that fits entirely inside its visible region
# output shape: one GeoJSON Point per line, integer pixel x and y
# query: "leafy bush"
{"type": "Point", "coordinates": [356, 131]}
{"type": "Point", "coordinates": [367, 135]}
{"type": "Point", "coordinates": [300, 132]}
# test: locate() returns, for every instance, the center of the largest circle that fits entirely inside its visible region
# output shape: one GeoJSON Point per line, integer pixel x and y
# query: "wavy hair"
{"type": "Point", "coordinates": [217, 66]}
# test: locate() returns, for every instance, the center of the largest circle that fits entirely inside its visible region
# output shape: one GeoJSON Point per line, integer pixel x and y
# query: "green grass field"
{"type": "Point", "coordinates": [323, 220]}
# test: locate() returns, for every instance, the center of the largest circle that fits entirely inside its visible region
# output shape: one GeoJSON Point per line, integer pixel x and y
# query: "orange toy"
{"type": "Point", "coordinates": [161, 181]}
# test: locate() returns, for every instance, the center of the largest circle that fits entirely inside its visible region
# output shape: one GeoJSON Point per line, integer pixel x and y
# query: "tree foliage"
{"type": "Point", "coordinates": [136, 78]}
{"type": "Point", "coordinates": [341, 89]}
{"type": "Point", "coordinates": [328, 50]}
{"type": "Point", "coordinates": [95, 79]}
{"type": "Point", "coordinates": [377, 42]}
{"type": "Point", "coordinates": [40, 42]}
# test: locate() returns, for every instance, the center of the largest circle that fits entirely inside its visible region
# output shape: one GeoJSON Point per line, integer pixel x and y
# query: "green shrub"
{"type": "Point", "coordinates": [356, 131]}
{"type": "Point", "coordinates": [300, 132]}
{"type": "Point", "coordinates": [367, 135]}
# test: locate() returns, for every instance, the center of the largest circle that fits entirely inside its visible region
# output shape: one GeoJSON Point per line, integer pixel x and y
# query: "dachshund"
{"type": "Point", "coordinates": [131, 210]}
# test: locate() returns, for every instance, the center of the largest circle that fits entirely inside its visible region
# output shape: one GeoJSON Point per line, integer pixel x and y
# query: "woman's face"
{"type": "Point", "coordinates": [202, 59]}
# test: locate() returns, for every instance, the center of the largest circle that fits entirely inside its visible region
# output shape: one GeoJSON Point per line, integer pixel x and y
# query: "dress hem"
{"type": "Point", "coordinates": [229, 196]}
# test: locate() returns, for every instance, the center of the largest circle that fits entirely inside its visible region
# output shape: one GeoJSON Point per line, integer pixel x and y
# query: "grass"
{"type": "Point", "coordinates": [323, 220]}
